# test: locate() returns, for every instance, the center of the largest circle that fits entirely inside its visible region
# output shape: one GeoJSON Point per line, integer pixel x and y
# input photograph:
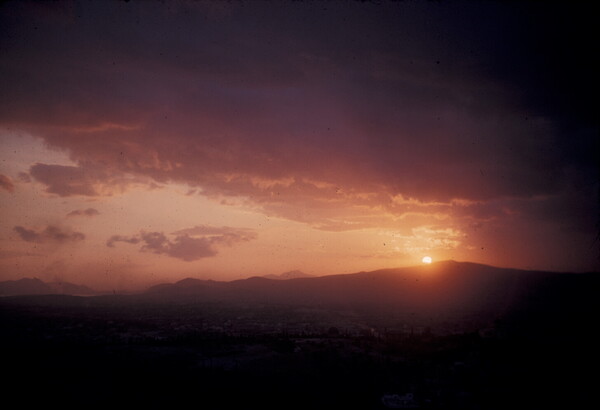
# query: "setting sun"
{"type": "Point", "coordinates": [427, 259]}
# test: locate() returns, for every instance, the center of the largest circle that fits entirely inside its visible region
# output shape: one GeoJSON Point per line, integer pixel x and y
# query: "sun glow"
{"type": "Point", "coordinates": [427, 259]}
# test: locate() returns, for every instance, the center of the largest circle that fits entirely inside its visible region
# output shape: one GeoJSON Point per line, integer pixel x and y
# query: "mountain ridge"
{"type": "Point", "coordinates": [294, 282]}
{"type": "Point", "coordinates": [35, 286]}
{"type": "Point", "coordinates": [293, 274]}
{"type": "Point", "coordinates": [448, 286]}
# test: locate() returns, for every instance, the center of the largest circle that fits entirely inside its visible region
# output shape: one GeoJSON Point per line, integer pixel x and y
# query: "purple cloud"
{"type": "Point", "coordinates": [189, 244]}
{"type": "Point", "coordinates": [6, 183]}
{"type": "Point", "coordinates": [50, 233]}
{"type": "Point", "coordinates": [84, 212]}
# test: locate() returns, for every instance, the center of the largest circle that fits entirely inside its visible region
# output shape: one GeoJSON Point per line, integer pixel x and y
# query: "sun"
{"type": "Point", "coordinates": [427, 259]}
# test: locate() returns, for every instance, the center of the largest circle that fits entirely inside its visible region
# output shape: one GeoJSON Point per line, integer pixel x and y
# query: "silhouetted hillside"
{"type": "Point", "coordinates": [294, 274]}
{"type": "Point", "coordinates": [444, 292]}
{"type": "Point", "coordinates": [66, 288]}
{"type": "Point", "coordinates": [444, 289]}
{"type": "Point", "coordinates": [36, 286]}
{"type": "Point", "coordinates": [24, 286]}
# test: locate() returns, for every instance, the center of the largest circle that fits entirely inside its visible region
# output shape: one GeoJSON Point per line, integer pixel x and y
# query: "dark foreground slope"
{"type": "Point", "coordinates": [448, 336]}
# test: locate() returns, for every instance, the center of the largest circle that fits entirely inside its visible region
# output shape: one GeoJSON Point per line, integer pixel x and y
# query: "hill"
{"type": "Point", "coordinates": [35, 286]}
{"type": "Point", "coordinates": [444, 289]}
{"type": "Point", "coordinates": [294, 274]}
{"type": "Point", "coordinates": [444, 292]}
{"type": "Point", "coordinates": [25, 286]}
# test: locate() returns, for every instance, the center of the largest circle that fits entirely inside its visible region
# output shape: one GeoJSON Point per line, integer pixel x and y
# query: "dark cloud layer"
{"type": "Point", "coordinates": [87, 179]}
{"type": "Point", "coordinates": [64, 180]}
{"type": "Point", "coordinates": [188, 244]}
{"type": "Point", "coordinates": [319, 113]}
{"type": "Point", "coordinates": [49, 234]}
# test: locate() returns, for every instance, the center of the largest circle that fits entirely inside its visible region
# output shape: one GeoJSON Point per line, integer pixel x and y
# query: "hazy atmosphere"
{"type": "Point", "coordinates": [144, 142]}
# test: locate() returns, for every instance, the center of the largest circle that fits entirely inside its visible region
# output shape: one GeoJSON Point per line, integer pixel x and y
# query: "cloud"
{"type": "Point", "coordinates": [325, 128]}
{"type": "Point", "coordinates": [182, 247]}
{"type": "Point", "coordinates": [189, 244]}
{"type": "Point", "coordinates": [24, 177]}
{"type": "Point", "coordinates": [50, 233]}
{"type": "Point", "coordinates": [84, 212]}
{"type": "Point", "coordinates": [89, 178]}
{"type": "Point", "coordinates": [120, 238]}
{"type": "Point", "coordinates": [6, 183]}
{"type": "Point", "coordinates": [221, 233]}
{"type": "Point", "coordinates": [85, 179]}
{"type": "Point", "coordinates": [64, 180]}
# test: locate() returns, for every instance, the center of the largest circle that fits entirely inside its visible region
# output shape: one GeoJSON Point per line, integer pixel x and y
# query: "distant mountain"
{"type": "Point", "coordinates": [293, 274]}
{"type": "Point", "coordinates": [35, 286]}
{"type": "Point", "coordinates": [66, 288]}
{"type": "Point", "coordinates": [25, 286]}
{"type": "Point", "coordinates": [442, 289]}
{"type": "Point", "coordinates": [443, 292]}
{"type": "Point", "coordinates": [185, 287]}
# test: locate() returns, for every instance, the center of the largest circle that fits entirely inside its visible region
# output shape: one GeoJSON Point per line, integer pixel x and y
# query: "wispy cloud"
{"type": "Point", "coordinates": [50, 233]}
{"type": "Point", "coordinates": [89, 212]}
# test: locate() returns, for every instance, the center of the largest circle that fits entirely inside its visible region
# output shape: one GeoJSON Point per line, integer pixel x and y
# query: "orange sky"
{"type": "Point", "coordinates": [148, 142]}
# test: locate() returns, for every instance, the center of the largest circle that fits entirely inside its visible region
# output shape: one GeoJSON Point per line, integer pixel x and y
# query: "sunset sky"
{"type": "Point", "coordinates": [144, 142]}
